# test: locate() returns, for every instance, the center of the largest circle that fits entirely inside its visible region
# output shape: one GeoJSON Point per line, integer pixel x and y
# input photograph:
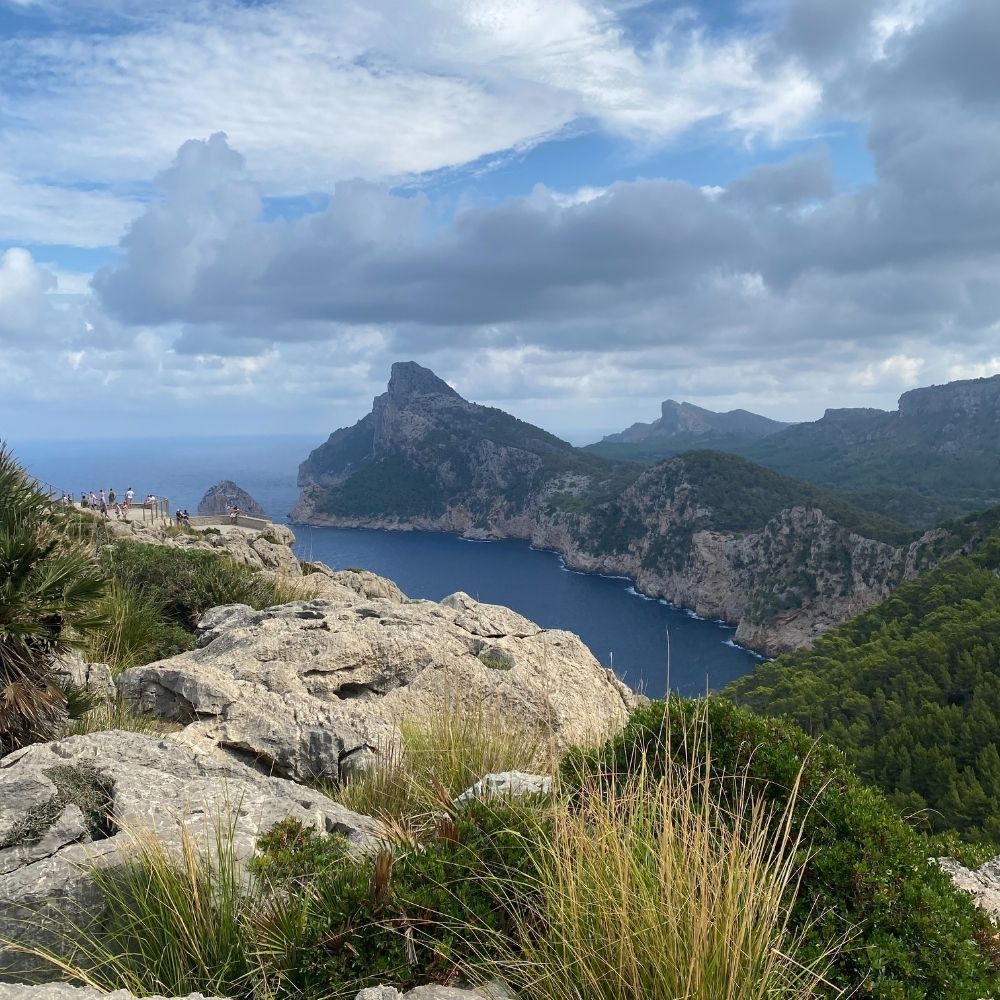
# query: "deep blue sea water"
{"type": "Point", "coordinates": [623, 629]}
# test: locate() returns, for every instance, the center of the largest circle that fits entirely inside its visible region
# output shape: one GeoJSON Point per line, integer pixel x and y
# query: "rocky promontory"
{"type": "Point", "coordinates": [780, 559]}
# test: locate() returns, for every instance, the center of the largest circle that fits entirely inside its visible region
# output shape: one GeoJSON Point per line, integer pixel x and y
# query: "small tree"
{"type": "Point", "coordinates": [50, 588]}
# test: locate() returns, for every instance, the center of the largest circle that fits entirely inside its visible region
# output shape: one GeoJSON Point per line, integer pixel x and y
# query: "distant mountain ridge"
{"type": "Point", "coordinates": [727, 538]}
{"type": "Point", "coordinates": [686, 418]}
{"type": "Point", "coordinates": [937, 455]}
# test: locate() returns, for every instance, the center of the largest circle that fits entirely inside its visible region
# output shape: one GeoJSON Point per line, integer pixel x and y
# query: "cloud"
{"type": "Point", "coordinates": [26, 312]}
{"type": "Point", "coordinates": [782, 289]}
{"type": "Point", "coordinates": [316, 93]}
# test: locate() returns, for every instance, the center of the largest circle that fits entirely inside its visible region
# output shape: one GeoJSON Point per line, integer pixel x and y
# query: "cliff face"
{"type": "Point", "coordinates": [707, 531]}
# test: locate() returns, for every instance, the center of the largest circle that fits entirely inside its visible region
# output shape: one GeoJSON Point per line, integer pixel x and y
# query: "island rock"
{"type": "Point", "coordinates": [222, 497]}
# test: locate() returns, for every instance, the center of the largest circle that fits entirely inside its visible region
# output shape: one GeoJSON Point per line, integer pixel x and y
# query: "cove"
{"type": "Point", "coordinates": [622, 628]}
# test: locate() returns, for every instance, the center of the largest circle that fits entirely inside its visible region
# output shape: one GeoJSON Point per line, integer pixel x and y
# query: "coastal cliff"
{"type": "Point", "coordinates": [781, 559]}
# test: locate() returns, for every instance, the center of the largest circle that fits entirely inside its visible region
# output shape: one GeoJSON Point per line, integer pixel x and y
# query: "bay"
{"type": "Point", "coordinates": [623, 629]}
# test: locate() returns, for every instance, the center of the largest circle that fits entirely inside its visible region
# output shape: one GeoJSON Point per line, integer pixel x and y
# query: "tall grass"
{"type": "Point", "coordinates": [440, 756]}
{"type": "Point", "coordinates": [676, 888]}
{"type": "Point", "coordinates": [117, 714]}
{"type": "Point", "coordinates": [177, 922]}
{"type": "Point", "coordinates": [137, 631]}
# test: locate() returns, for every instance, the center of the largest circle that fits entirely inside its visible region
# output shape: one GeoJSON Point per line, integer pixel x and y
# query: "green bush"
{"type": "Point", "coordinates": [415, 916]}
{"type": "Point", "coordinates": [157, 595]}
{"type": "Point", "coordinates": [496, 659]}
{"type": "Point", "coordinates": [866, 873]}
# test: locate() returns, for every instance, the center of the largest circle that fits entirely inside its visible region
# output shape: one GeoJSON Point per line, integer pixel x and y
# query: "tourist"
{"type": "Point", "coordinates": [102, 503]}
{"type": "Point", "coordinates": [92, 500]}
{"type": "Point", "coordinates": [186, 518]}
{"type": "Point", "coordinates": [129, 497]}
{"type": "Point", "coordinates": [112, 497]}
{"type": "Point", "coordinates": [234, 514]}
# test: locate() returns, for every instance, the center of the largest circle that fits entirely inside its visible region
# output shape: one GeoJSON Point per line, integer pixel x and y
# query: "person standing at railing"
{"type": "Point", "coordinates": [129, 497]}
{"type": "Point", "coordinates": [112, 497]}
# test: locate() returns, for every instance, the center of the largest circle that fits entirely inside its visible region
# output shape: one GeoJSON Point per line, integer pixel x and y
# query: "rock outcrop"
{"type": "Point", "coordinates": [982, 883]}
{"type": "Point", "coordinates": [222, 497]}
{"type": "Point", "coordinates": [307, 689]}
{"type": "Point", "coordinates": [507, 784]}
{"type": "Point", "coordinates": [270, 549]}
{"type": "Point", "coordinates": [77, 802]}
{"type": "Point", "coordinates": [728, 539]}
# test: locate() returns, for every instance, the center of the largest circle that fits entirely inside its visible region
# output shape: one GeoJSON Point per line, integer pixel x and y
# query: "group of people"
{"type": "Point", "coordinates": [102, 502]}
{"type": "Point", "coordinates": [182, 517]}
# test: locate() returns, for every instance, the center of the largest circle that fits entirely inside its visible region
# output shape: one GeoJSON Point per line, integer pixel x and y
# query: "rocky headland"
{"type": "Point", "coordinates": [780, 559]}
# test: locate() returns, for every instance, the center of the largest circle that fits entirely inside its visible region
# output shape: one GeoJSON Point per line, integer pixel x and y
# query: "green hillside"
{"type": "Point", "coordinates": [910, 689]}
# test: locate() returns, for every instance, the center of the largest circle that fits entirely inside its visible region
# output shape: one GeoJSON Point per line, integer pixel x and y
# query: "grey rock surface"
{"type": "Point", "coordinates": [140, 783]}
{"type": "Point", "coordinates": [507, 784]}
{"type": "Point", "coordinates": [307, 687]}
{"type": "Point", "coordinates": [223, 496]}
{"type": "Point", "coordinates": [982, 883]}
{"type": "Point", "coordinates": [94, 678]}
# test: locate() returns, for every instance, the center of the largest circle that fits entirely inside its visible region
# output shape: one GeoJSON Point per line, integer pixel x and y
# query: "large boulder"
{"type": "Point", "coordinates": [222, 497]}
{"type": "Point", "coordinates": [306, 689]}
{"type": "Point", "coordinates": [78, 802]}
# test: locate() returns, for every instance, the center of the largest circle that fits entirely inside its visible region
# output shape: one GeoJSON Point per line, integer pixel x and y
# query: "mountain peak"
{"type": "Point", "coordinates": [408, 379]}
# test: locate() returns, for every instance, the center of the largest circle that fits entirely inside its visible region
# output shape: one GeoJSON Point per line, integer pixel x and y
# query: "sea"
{"type": "Point", "coordinates": [649, 643]}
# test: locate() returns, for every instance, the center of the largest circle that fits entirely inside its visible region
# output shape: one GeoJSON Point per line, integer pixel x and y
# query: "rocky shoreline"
{"type": "Point", "coordinates": [721, 581]}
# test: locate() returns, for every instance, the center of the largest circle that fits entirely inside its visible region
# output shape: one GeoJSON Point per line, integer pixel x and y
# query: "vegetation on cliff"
{"type": "Point", "coordinates": [935, 457]}
{"type": "Point", "coordinates": [910, 690]}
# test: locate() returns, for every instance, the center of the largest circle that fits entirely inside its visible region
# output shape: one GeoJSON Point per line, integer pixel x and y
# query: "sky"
{"type": "Point", "coordinates": [232, 216]}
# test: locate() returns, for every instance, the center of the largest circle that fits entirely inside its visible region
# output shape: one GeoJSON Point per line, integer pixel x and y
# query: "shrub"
{"type": "Point", "coordinates": [417, 915]}
{"type": "Point", "coordinates": [865, 872]}
{"type": "Point", "coordinates": [78, 785]}
{"type": "Point", "coordinates": [50, 588]}
{"type": "Point", "coordinates": [496, 659]}
{"type": "Point", "coordinates": [158, 594]}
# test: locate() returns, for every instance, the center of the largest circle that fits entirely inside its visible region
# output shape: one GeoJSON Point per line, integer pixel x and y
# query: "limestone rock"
{"type": "Point", "coordinates": [507, 784]}
{"type": "Point", "coordinates": [983, 883]}
{"type": "Point", "coordinates": [60, 991]}
{"type": "Point", "coordinates": [307, 688]}
{"type": "Point", "coordinates": [221, 497]}
{"type": "Point", "coordinates": [94, 678]}
{"type": "Point", "coordinates": [270, 549]}
{"type": "Point", "coordinates": [76, 802]}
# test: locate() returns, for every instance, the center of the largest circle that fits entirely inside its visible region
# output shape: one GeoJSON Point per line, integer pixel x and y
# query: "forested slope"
{"type": "Point", "coordinates": [910, 689]}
